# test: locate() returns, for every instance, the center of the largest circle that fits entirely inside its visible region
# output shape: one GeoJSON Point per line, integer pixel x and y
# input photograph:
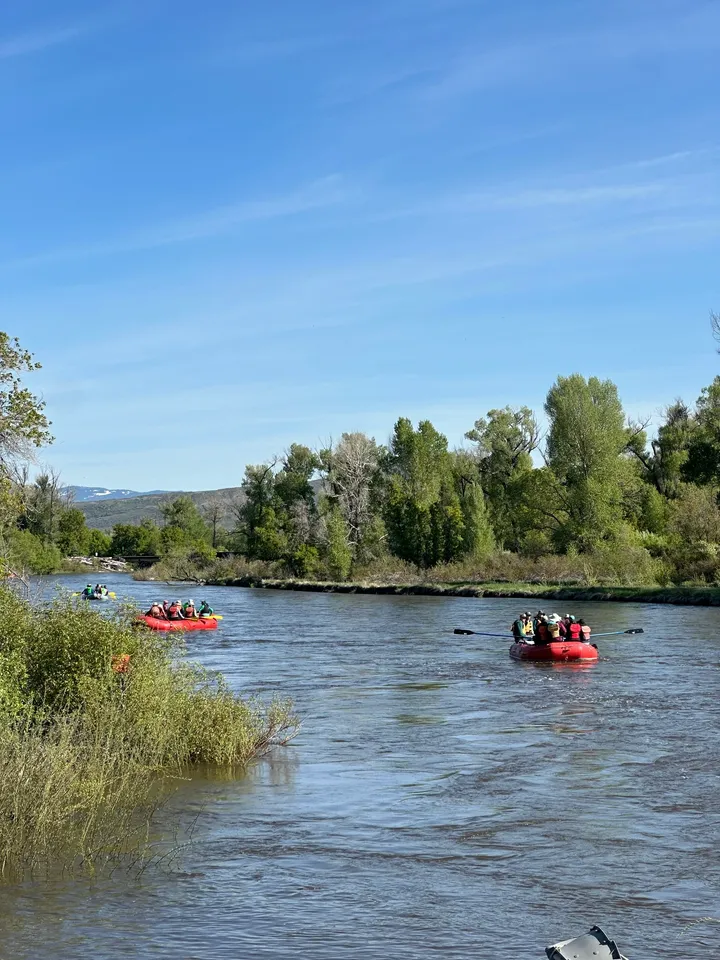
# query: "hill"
{"type": "Point", "coordinates": [104, 514]}
{"type": "Point", "coordinates": [97, 494]}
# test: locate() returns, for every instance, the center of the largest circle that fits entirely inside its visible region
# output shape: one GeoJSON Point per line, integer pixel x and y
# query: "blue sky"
{"type": "Point", "coordinates": [235, 226]}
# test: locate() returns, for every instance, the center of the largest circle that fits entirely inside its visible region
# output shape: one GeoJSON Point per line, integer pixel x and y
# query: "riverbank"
{"type": "Point", "coordinates": [704, 596]}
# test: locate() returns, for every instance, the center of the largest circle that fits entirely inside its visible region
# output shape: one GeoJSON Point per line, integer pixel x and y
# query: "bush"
{"type": "Point", "coordinates": [91, 711]}
{"type": "Point", "coordinates": [26, 552]}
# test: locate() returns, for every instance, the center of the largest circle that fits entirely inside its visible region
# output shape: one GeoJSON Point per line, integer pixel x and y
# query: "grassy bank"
{"type": "Point", "coordinates": [686, 595]}
{"type": "Point", "coordinates": [96, 718]}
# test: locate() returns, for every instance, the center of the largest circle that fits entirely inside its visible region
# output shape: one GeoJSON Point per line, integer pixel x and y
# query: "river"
{"type": "Point", "coordinates": [441, 799]}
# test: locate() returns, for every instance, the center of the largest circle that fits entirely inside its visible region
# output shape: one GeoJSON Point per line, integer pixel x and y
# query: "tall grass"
{"type": "Point", "coordinates": [95, 715]}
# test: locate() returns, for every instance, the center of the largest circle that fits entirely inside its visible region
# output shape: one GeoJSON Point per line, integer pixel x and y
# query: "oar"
{"type": "Point", "coordinates": [507, 636]}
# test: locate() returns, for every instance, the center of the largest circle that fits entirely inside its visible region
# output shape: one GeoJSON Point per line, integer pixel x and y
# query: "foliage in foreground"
{"type": "Point", "coordinates": [84, 749]}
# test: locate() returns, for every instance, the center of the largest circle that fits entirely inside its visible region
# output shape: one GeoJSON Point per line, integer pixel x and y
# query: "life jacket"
{"type": "Point", "coordinates": [528, 628]}
{"type": "Point", "coordinates": [518, 629]}
{"type": "Point", "coordinates": [173, 610]}
{"type": "Point", "coordinates": [585, 632]}
{"type": "Point", "coordinates": [189, 611]}
{"type": "Point", "coordinates": [575, 631]}
{"type": "Point", "coordinates": [554, 630]}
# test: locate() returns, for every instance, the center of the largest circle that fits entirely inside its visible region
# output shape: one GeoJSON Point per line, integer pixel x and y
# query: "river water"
{"type": "Point", "coordinates": [441, 800]}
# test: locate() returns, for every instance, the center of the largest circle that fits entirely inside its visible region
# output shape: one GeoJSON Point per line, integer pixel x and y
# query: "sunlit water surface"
{"type": "Point", "coordinates": [441, 799]}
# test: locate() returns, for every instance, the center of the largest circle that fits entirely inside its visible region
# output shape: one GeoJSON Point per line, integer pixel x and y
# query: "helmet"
{"type": "Point", "coordinates": [190, 601]}
{"type": "Point", "coordinates": [177, 601]}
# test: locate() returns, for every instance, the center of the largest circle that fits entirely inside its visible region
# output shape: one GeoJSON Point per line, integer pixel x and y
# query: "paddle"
{"type": "Point", "coordinates": [507, 636]}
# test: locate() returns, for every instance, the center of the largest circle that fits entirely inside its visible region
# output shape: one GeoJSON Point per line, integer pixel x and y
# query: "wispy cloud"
{"type": "Point", "coordinates": [323, 193]}
{"type": "Point", "coordinates": [557, 54]}
{"type": "Point", "coordinates": [29, 43]}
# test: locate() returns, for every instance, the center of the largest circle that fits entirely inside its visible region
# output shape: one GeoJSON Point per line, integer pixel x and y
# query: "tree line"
{"type": "Point", "coordinates": [589, 484]}
{"type": "Point", "coordinates": [592, 484]}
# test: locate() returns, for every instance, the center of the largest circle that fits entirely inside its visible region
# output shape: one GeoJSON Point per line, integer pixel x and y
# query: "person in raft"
{"type": "Point", "coordinates": [88, 592]}
{"type": "Point", "coordinates": [174, 611]}
{"type": "Point", "coordinates": [189, 610]}
{"type": "Point", "coordinates": [205, 609]}
{"type": "Point", "coordinates": [584, 631]}
{"type": "Point", "coordinates": [156, 610]}
{"type": "Point", "coordinates": [518, 629]}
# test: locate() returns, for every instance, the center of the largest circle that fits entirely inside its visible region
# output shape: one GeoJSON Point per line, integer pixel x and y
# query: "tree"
{"type": "Point", "coordinates": [44, 502]}
{"type": "Point", "coordinates": [213, 514]}
{"type": "Point", "coordinates": [23, 424]}
{"type": "Point", "coordinates": [253, 513]}
{"type": "Point", "coordinates": [73, 536]}
{"type": "Point", "coordinates": [423, 510]}
{"type": "Point", "coordinates": [505, 441]}
{"type": "Point", "coordinates": [586, 442]}
{"type": "Point", "coordinates": [292, 483]}
{"type": "Point", "coordinates": [182, 515]}
{"type": "Point", "coordinates": [695, 515]}
{"type": "Point", "coordinates": [338, 551]}
{"type": "Point", "coordinates": [350, 473]}
{"type": "Point", "coordinates": [141, 540]}
{"type": "Point", "coordinates": [664, 464]}
{"type": "Point", "coordinates": [98, 543]}
{"type": "Point", "coordinates": [477, 533]}
{"type": "Point", "coordinates": [702, 464]}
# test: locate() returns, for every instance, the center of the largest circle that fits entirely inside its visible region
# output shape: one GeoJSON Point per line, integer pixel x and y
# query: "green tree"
{"type": "Point", "coordinates": [703, 450]}
{"type": "Point", "coordinates": [477, 531]}
{"type": "Point", "coordinates": [338, 550]}
{"type": "Point", "coordinates": [182, 515]}
{"type": "Point", "coordinates": [586, 442]}
{"type": "Point", "coordinates": [292, 483]}
{"type": "Point", "coordinates": [73, 536]}
{"type": "Point", "coordinates": [664, 463]}
{"type": "Point", "coordinates": [98, 543]}
{"type": "Point", "coordinates": [505, 441]}
{"type": "Point", "coordinates": [23, 424]}
{"type": "Point", "coordinates": [131, 540]}
{"type": "Point", "coordinates": [423, 510]}
{"type": "Point", "coordinates": [257, 533]}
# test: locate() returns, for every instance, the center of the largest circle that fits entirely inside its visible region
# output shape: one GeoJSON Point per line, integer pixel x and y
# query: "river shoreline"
{"type": "Point", "coordinates": [681, 596]}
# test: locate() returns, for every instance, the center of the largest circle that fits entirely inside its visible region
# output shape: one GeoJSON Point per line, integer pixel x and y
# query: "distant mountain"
{"type": "Point", "coordinates": [96, 494]}
{"type": "Point", "coordinates": [103, 512]}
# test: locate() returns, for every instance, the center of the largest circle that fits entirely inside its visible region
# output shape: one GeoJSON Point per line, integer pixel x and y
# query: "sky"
{"type": "Point", "coordinates": [228, 227]}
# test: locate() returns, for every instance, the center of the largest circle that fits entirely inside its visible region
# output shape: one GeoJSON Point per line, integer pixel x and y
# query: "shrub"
{"type": "Point", "coordinates": [27, 552]}
{"type": "Point", "coordinates": [92, 709]}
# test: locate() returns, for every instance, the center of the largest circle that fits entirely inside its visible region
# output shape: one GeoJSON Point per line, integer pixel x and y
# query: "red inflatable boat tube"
{"type": "Point", "coordinates": [560, 651]}
{"type": "Point", "coordinates": [202, 623]}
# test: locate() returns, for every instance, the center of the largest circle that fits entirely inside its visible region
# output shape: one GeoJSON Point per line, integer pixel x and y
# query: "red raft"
{"type": "Point", "coordinates": [202, 623]}
{"type": "Point", "coordinates": [559, 651]}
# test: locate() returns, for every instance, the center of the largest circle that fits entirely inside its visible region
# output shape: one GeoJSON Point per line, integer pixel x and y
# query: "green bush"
{"type": "Point", "coordinates": [93, 709]}
{"type": "Point", "coordinates": [26, 552]}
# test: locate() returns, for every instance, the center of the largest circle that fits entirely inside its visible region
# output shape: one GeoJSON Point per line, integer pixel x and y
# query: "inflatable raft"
{"type": "Point", "coordinates": [558, 651]}
{"type": "Point", "coordinates": [201, 623]}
